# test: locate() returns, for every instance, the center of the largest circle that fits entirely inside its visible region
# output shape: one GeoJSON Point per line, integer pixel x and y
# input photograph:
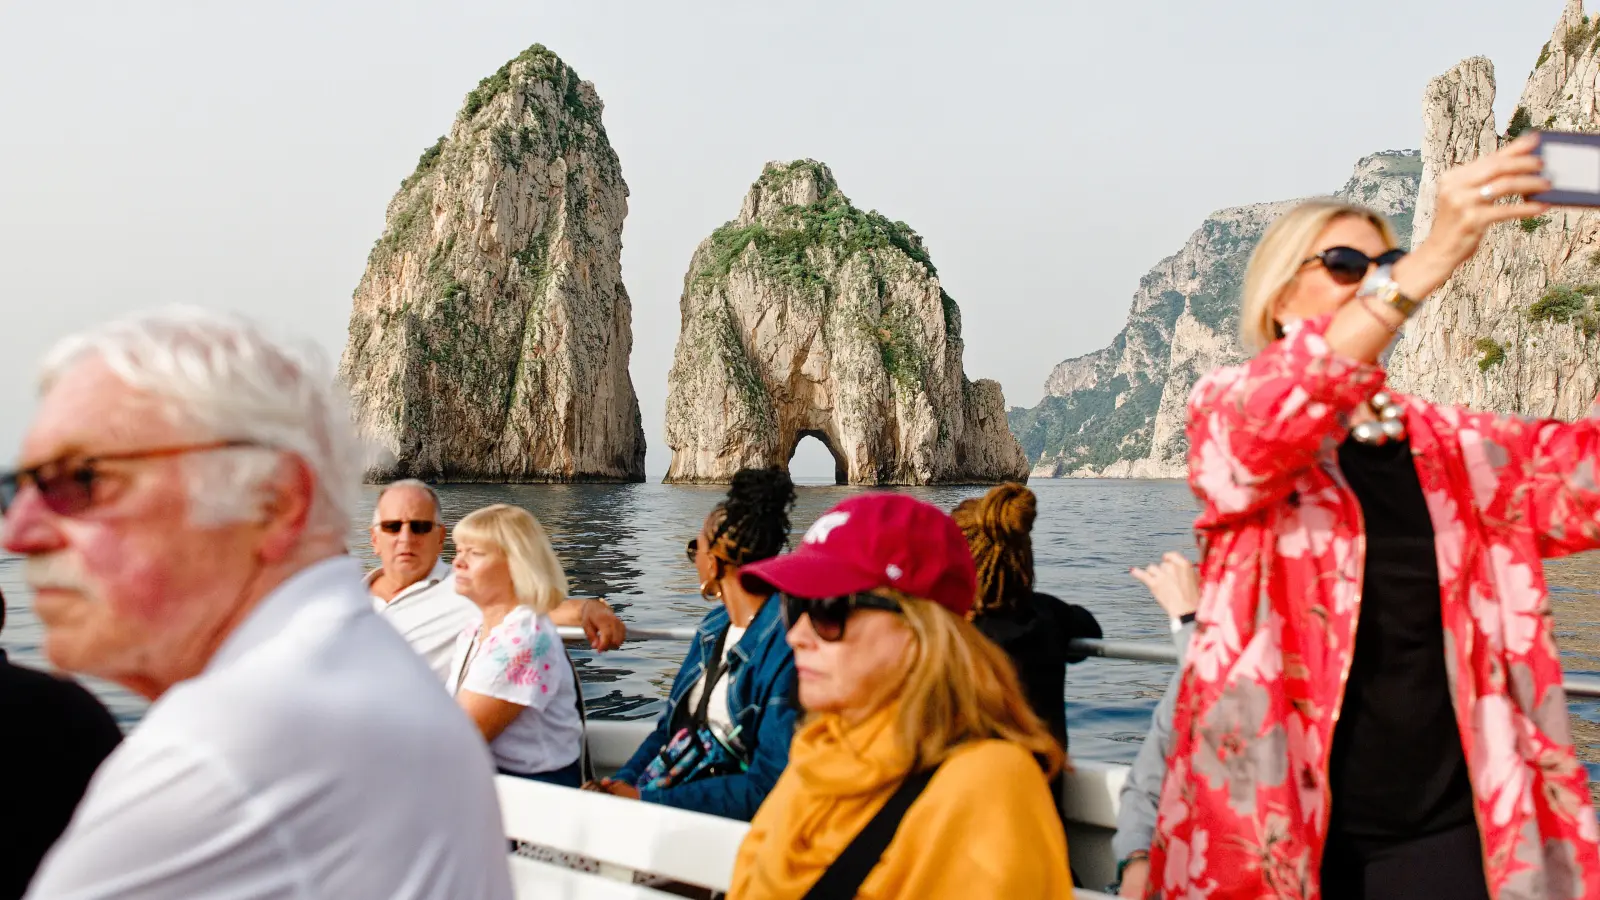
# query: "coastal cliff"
{"type": "Point", "coordinates": [490, 334]}
{"type": "Point", "coordinates": [1515, 329]}
{"type": "Point", "coordinates": [1119, 412]}
{"type": "Point", "coordinates": [806, 316]}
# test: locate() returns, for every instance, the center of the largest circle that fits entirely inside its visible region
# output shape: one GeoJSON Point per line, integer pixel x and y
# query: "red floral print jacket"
{"type": "Point", "coordinates": [1244, 808]}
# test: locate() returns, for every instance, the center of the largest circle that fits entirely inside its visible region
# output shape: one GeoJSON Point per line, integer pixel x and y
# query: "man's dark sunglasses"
{"type": "Point", "coordinates": [829, 614]}
{"type": "Point", "coordinates": [693, 549]}
{"type": "Point", "coordinates": [1347, 265]}
{"type": "Point", "coordinates": [66, 484]}
{"type": "Point", "coordinates": [418, 526]}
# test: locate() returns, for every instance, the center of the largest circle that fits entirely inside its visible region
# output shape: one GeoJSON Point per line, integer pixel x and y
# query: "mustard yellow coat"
{"type": "Point", "coordinates": [984, 827]}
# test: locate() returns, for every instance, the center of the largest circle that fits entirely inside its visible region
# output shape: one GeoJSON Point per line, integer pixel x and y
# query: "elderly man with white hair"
{"type": "Point", "coordinates": [416, 592]}
{"type": "Point", "coordinates": [182, 501]}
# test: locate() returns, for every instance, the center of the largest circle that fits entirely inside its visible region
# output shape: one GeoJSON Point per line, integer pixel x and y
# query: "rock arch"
{"type": "Point", "coordinates": [806, 315]}
{"type": "Point", "coordinates": [841, 471]}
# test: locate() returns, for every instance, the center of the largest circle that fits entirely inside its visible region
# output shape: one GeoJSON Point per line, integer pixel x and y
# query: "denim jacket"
{"type": "Point", "coordinates": [761, 690]}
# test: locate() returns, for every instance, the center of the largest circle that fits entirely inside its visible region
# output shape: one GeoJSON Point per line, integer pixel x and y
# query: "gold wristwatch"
{"type": "Point", "coordinates": [1381, 286]}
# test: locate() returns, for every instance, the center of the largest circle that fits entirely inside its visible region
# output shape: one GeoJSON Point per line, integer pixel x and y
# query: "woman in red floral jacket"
{"type": "Point", "coordinates": [1425, 753]}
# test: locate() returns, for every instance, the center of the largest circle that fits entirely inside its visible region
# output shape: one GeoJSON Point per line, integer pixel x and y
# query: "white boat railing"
{"type": "Point", "coordinates": [1136, 651]}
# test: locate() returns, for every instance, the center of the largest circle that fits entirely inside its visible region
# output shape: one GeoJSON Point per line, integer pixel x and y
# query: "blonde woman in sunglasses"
{"type": "Point", "coordinates": [1372, 705]}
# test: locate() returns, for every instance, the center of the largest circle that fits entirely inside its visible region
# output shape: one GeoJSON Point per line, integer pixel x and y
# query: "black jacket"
{"type": "Point", "coordinates": [1034, 633]}
{"type": "Point", "coordinates": [56, 735]}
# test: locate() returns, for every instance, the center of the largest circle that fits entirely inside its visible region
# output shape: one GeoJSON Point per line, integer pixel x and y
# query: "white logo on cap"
{"type": "Point", "coordinates": [820, 529]}
{"type": "Point", "coordinates": [893, 571]}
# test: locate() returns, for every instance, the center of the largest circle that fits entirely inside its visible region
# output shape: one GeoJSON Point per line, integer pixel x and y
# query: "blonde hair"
{"type": "Point", "coordinates": [959, 687]}
{"type": "Point", "coordinates": [537, 578]}
{"type": "Point", "coordinates": [1279, 256]}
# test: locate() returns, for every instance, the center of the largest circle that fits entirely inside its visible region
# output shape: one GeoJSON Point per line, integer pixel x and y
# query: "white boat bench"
{"type": "Point", "coordinates": [626, 836]}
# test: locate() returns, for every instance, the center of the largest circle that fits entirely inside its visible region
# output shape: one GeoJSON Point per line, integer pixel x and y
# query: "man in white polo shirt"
{"type": "Point", "coordinates": [415, 592]}
{"type": "Point", "coordinates": [181, 503]}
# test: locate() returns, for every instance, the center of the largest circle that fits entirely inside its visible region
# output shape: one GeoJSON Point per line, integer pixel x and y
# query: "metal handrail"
{"type": "Point", "coordinates": [1136, 651]}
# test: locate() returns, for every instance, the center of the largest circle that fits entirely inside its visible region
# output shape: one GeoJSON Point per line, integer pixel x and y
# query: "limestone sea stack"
{"type": "Point", "coordinates": [806, 316]}
{"type": "Point", "coordinates": [490, 334]}
{"type": "Point", "coordinates": [1515, 330]}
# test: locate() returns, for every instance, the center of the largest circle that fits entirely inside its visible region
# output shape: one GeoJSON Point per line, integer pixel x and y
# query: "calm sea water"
{"type": "Point", "coordinates": [625, 542]}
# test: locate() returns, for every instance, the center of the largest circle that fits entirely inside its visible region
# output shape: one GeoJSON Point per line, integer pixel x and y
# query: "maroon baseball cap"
{"type": "Point", "coordinates": [872, 541]}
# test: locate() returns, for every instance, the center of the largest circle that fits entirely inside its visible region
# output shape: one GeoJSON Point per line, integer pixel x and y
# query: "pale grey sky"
{"type": "Point", "coordinates": [240, 156]}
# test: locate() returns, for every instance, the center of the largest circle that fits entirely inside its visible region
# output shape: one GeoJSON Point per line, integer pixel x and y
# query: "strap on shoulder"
{"type": "Point", "coordinates": [845, 877]}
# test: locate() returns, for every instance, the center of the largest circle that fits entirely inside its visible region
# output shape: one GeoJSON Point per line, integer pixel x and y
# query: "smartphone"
{"type": "Point", "coordinates": [1572, 163]}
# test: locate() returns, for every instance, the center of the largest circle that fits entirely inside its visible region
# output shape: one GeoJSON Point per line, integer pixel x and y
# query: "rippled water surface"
{"type": "Point", "coordinates": [625, 542]}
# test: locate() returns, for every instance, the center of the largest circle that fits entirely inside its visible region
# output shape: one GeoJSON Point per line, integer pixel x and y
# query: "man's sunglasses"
{"type": "Point", "coordinates": [829, 614]}
{"type": "Point", "coordinates": [1347, 265]}
{"type": "Point", "coordinates": [693, 549]}
{"type": "Point", "coordinates": [418, 526]}
{"type": "Point", "coordinates": [66, 484]}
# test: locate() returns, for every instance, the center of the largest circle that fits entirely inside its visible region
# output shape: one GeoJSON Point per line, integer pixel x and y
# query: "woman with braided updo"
{"type": "Point", "coordinates": [1032, 628]}
{"type": "Point", "coordinates": [724, 738]}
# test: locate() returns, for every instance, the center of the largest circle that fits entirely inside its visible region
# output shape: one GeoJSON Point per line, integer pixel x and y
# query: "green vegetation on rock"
{"type": "Point", "coordinates": [1492, 353]}
{"type": "Point", "coordinates": [903, 351]}
{"type": "Point", "coordinates": [512, 144]}
{"type": "Point", "coordinates": [405, 223]}
{"type": "Point", "coordinates": [1544, 55]}
{"type": "Point", "coordinates": [1521, 121]}
{"type": "Point", "coordinates": [425, 163]}
{"type": "Point", "coordinates": [831, 225]}
{"type": "Point", "coordinates": [1568, 303]}
{"type": "Point", "coordinates": [1577, 39]}
{"type": "Point", "coordinates": [1530, 226]}
{"type": "Point", "coordinates": [538, 64]}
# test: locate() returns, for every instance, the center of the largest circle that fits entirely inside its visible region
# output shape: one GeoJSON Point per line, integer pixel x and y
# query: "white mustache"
{"type": "Point", "coordinates": [54, 571]}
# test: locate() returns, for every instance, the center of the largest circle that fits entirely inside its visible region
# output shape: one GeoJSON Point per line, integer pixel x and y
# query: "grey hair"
{"type": "Point", "coordinates": [221, 374]}
{"type": "Point", "coordinates": [414, 484]}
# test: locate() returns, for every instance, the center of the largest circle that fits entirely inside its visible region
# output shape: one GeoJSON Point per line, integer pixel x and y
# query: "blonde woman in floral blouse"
{"type": "Point", "coordinates": [510, 671]}
{"type": "Point", "coordinates": [1372, 705]}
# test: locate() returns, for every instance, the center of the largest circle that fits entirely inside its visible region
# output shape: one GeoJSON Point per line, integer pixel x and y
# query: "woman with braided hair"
{"type": "Point", "coordinates": [724, 738]}
{"type": "Point", "coordinates": [1032, 628]}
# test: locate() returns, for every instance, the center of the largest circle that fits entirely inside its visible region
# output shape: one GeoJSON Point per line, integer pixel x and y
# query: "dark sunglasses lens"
{"type": "Point", "coordinates": [418, 526]}
{"type": "Point", "coordinates": [1390, 257]}
{"type": "Point", "coordinates": [65, 490]}
{"type": "Point", "coordinates": [692, 549]}
{"type": "Point", "coordinates": [9, 486]}
{"type": "Point", "coordinates": [827, 616]}
{"type": "Point", "coordinates": [1345, 265]}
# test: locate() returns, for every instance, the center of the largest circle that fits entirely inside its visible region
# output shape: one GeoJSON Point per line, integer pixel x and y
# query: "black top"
{"type": "Point", "coordinates": [1396, 770]}
{"type": "Point", "coordinates": [56, 735]}
{"type": "Point", "coordinates": [1034, 633]}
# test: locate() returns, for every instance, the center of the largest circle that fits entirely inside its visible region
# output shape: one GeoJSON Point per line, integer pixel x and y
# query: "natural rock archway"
{"type": "Point", "coordinates": [806, 316]}
{"type": "Point", "coordinates": [841, 473]}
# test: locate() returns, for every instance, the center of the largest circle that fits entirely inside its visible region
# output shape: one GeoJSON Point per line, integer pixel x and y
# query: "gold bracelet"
{"type": "Point", "coordinates": [1392, 329]}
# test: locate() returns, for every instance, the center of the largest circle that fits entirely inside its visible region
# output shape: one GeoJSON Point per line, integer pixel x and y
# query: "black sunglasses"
{"type": "Point", "coordinates": [1347, 265]}
{"type": "Point", "coordinates": [418, 526]}
{"type": "Point", "coordinates": [829, 614]}
{"type": "Point", "coordinates": [66, 483]}
{"type": "Point", "coordinates": [693, 549]}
